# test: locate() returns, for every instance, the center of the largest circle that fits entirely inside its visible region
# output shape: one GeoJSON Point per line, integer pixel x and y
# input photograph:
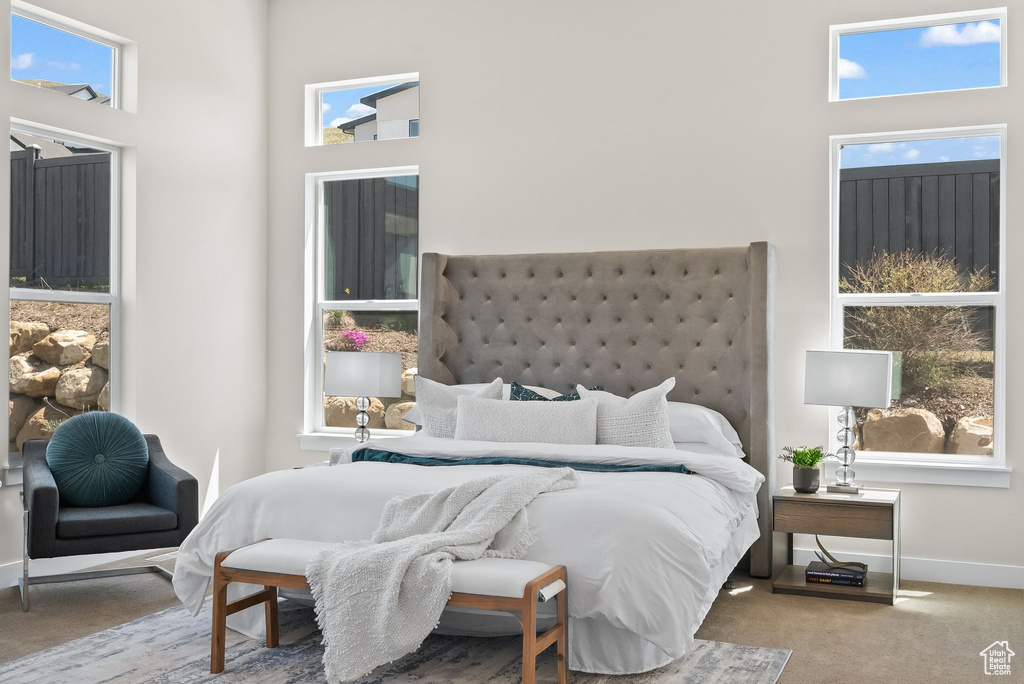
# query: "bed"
{"type": "Point", "coordinates": [647, 552]}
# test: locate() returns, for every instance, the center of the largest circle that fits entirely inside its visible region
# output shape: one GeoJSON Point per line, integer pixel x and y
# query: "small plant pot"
{"type": "Point", "coordinates": [805, 480]}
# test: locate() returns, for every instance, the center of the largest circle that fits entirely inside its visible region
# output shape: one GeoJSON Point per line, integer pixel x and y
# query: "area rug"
{"type": "Point", "coordinates": [172, 647]}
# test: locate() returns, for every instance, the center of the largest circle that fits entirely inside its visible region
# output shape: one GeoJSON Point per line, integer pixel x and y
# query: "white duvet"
{"type": "Point", "coordinates": [646, 552]}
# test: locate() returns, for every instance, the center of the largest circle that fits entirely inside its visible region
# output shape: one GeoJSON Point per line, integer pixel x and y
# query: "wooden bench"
{"type": "Point", "coordinates": [486, 584]}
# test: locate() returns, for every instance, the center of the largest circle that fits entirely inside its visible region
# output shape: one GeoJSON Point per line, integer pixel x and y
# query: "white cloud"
{"type": "Point", "coordinates": [23, 61]}
{"type": "Point", "coordinates": [912, 153]}
{"type": "Point", "coordinates": [966, 34]}
{"type": "Point", "coordinates": [359, 109]}
{"type": "Point", "coordinates": [340, 120]}
{"type": "Point", "coordinates": [326, 107]}
{"type": "Point", "coordinates": [850, 69]}
{"type": "Point", "coordinates": [65, 66]}
{"type": "Point", "coordinates": [944, 157]}
{"type": "Point", "coordinates": [880, 148]}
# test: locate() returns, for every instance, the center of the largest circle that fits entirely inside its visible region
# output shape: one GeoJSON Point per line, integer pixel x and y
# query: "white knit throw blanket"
{"type": "Point", "coordinates": [378, 600]}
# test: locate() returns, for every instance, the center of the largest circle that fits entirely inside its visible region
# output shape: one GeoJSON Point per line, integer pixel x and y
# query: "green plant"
{"type": "Point", "coordinates": [934, 340]}
{"type": "Point", "coordinates": [804, 457]}
{"type": "Point", "coordinates": [338, 316]}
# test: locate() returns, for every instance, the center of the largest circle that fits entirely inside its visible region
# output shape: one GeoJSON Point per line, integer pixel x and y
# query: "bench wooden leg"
{"type": "Point", "coordinates": [563, 638]}
{"type": "Point", "coordinates": [220, 616]}
{"type": "Point", "coordinates": [528, 619]}
{"type": "Point", "coordinates": [272, 624]}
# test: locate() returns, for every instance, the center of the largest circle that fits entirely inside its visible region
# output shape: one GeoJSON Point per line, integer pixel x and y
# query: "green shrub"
{"type": "Point", "coordinates": [804, 457]}
{"type": "Point", "coordinates": [934, 340]}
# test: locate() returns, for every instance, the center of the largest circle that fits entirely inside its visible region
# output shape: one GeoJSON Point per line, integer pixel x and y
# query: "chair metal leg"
{"type": "Point", "coordinates": [23, 583]}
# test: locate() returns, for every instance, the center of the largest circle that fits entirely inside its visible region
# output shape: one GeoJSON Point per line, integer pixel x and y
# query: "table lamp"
{"type": "Point", "coordinates": [363, 375]}
{"type": "Point", "coordinates": [848, 378]}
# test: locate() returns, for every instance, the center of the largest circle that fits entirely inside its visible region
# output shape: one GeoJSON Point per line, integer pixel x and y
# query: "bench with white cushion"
{"type": "Point", "coordinates": [486, 584]}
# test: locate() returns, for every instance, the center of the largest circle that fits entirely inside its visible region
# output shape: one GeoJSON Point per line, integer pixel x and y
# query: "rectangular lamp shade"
{"type": "Point", "coordinates": [363, 374]}
{"type": "Point", "coordinates": [849, 378]}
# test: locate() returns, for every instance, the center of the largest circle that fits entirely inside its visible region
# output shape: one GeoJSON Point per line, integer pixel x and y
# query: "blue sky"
{"type": "Point", "coordinates": [44, 53]}
{"type": "Point", "coordinates": [919, 151]}
{"type": "Point", "coordinates": [917, 60]}
{"type": "Point", "coordinates": [340, 106]}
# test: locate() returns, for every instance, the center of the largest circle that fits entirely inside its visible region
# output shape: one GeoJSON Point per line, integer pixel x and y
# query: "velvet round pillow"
{"type": "Point", "coordinates": [98, 459]}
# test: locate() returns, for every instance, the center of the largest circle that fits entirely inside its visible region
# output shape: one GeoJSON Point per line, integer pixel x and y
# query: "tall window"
{"type": "Point", "coordinates": [917, 250]}
{"type": "Point", "coordinates": [366, 274]}
{"type": "Point", "coordinates": [56, 57]}
{"type": "Point", "coordinates": [63, 281]}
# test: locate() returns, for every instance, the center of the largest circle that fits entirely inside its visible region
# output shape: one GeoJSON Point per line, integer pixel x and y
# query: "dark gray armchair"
{"type": "Point", "coordinates": [162, 515]}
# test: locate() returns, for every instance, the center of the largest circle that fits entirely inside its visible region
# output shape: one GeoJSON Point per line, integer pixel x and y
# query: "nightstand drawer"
{"type": "Point", "coordinates": [838, 519]}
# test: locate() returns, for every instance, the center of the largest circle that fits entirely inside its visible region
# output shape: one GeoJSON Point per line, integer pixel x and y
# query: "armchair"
{"type": "Point", "coordinates": [163, 514]}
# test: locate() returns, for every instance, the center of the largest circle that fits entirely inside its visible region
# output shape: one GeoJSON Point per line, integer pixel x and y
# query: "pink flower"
{"type": "Point", "coordinates": [353, 339]}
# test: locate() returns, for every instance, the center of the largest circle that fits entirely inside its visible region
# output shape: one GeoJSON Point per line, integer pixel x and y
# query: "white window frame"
{"type": "Point", "coordinates": [928, 468]}
{"type": "Point", "coordinates": [315, 434]}
{"type": "Point", "coordinates": [838, 30]}
{"type": "Point", "coordinates": [27, 12]}
{"type": "Point", "coordinates": [314, 110]}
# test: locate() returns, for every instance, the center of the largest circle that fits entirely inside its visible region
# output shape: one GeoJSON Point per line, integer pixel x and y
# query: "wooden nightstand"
{"type": "Point", "coordinates": [871, 514]}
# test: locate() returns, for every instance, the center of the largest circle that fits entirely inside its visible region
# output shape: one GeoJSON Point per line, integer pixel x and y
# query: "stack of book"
{"type": "Point", "coordinates": [820, 573]}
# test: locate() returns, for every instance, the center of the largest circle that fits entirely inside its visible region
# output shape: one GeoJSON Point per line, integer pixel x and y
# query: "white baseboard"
{"type": "Point", "coordinates": [10, 573]}
{"type": "Point", "coordinates": [934, 570]}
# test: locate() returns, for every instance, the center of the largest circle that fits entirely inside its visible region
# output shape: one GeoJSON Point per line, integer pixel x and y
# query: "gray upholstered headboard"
{"type": "Point", "coordinates": [622, 320]}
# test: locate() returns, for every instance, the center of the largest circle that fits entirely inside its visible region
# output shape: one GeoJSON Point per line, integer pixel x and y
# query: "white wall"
{"type": "Point", "coordinates": [734, 148]}
{"type": "Point", "coordinates": [195, 231]}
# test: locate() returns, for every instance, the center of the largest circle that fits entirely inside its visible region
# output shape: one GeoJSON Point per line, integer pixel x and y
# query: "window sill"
{"type": "Point", "coordinates": [917, 472]}
{"type": "Point", "coordinates": [325, 441]}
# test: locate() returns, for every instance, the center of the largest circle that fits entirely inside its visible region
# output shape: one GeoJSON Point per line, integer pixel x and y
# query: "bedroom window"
{"type": "Point", "coordinates": [917, 255]}
{"type": "Point", "coordinates": [365, 273]}
{"type": "Point", "coordinates": [364, 109]}
{"type": "Point", "coordinates": [62, 281]}
{"type": "Point", "coordinates": [957, 51]}
{"type": "Point", "coordinates": [56, 57]}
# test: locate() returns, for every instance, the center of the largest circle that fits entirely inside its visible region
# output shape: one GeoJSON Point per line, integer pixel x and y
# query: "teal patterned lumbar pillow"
{"type": "Point", "coordinates": [98, 459]}
{"type": "Point", "coordinates": [520, 393]}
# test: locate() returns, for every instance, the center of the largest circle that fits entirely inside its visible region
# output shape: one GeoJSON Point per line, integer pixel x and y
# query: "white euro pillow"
{"type": "Point", "coordinates": [693, 423]}
{"type": "Point", "coordinates": [559, 422]}
{"type": "Point", "coordinates": [438, 404]}
{"type": "Point", "coordinates": [640, 421]}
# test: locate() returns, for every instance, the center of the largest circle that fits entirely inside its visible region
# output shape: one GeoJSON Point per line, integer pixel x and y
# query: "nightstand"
{"type": "Point", "coordinates": [870, 514]}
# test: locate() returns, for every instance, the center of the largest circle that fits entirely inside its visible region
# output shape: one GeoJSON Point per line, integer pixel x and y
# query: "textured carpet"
{"type": "Point", "coordinates": [172, 646]}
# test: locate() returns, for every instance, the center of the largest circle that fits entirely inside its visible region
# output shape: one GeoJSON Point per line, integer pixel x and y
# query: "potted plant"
{"type": "Point", "coordinates": [806, 472]}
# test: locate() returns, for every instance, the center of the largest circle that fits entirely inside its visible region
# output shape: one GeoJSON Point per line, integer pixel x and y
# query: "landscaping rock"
{"type": "Point", "coordinates": [19, 408]}
{"type": "Point", "coordinates": [393, 416]}
{"type": "Point", "coordinates": [341, 412]}
{"type": "Point", "coordinates": [39, 424]}
{"type": "Point", "coordinates": [80, 387]}
{"type": "Point", "coordinates": [29, 375]}
{"type": "Point", "coordinates": [904, 430]}
{"type": "Point", "coordinates": [409, 382]}
{"type": "Point", "coordinates": [971, 436]}
{"type": "Point", "coordinates": [103, 400]}
{"type": "Point", "coordinates": [26, 334]}
{"type": "Point", "coordinates": [101, 354]}
{"type": "Point", "coordinates": [65, 347]}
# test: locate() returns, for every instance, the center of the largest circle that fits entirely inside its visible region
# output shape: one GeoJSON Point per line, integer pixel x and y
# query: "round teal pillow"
{"type": "Point", "coordinates": [98, 459]}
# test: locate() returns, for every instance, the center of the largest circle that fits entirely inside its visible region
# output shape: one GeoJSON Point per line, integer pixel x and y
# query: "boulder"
{"type": "Point", "coordinates": [103, 400]}
{"type": "Point", "coordinates": [911, 430]}
{"type": "Point", "coordinates": [80, 387]}
{"type": "Point", "coordinates": [29, 375]}
{"type": "Point", "coordinates": [19, 408]}
{"type": "Point", "coordinates": [393, 416]}
{"type": "Point", "coordinates": [341, 412]}
{"type": "Point", "coordinates": [42, 423]}
{"type": "Point", "coordinates": [971, 436]}
{"type": "Point", "coordinates": [24, 334]}
{"type": "Point", "coordinates": [409, 382]}
{"type": "Point", "coordinates": [101, 354]}
{"type": "Point", "coordinates": [65, 347]}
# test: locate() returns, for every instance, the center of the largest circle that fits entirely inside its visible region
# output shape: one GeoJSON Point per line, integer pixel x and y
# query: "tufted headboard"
{"type": "Point", "coordinates": [622, 320]}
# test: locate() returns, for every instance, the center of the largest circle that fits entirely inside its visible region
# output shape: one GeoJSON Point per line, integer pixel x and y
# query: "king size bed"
{"type": "Point", "coordinates": [650, 534]}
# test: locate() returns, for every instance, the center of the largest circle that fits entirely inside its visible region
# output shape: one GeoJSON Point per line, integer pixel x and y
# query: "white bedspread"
{"type": "Point", "coordinates": [645, 551]}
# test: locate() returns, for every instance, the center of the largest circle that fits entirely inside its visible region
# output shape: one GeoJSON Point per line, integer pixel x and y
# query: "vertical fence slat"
{"type": "Point", "coordinates": [912, 216]}
{"type": "Point", "coordinates": [930, 214]}
{"type": "Point", "coordinates": [964, 221]}
{"type": "Point", "coordinates": [947, 216]}
{"type": "Point", "coordinates": [897, 215]}
{"type": "Point", "coordinates": [980, 232]}
{"type": "Point", "coordinates": [865, 238]}
{"type": "Point", "coordinates": [847, 227]}
{"type": "Point", "coordinates": [993, 225]}
{"type": "Point", "coordinates": [879, 214]}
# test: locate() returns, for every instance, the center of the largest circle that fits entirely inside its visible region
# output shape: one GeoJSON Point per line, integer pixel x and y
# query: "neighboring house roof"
{"type": "Point", "coordinates": [371, 99]}
{"type": "Point", "coordinates": [47, 148]}
{"type": "Point", "coordinates": [73, 89]}
{"type": "Point", "coordinates": [350, 126]}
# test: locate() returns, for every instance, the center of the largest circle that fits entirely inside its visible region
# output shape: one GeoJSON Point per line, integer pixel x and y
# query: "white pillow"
{"type": "Point", "coordinates": [438, 404]}
{"type": "Point", "coordinates": [693, 423]}
{"type": "Point", "coordinates": [557, 422]}
{"type": "Point", "coordinates": [413, 416]}
{"type": "Point", "coordinates": [640, 421]}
